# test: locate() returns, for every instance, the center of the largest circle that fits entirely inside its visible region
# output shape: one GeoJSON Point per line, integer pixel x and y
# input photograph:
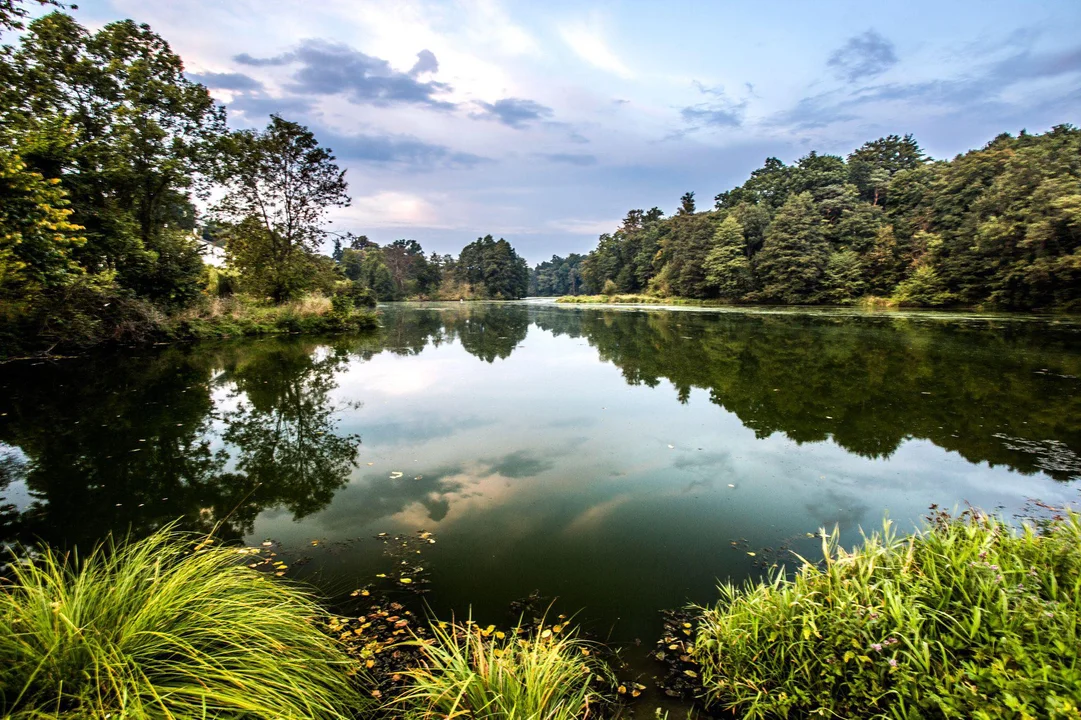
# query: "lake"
{"type": "Point", "coordinates": [622, 460]}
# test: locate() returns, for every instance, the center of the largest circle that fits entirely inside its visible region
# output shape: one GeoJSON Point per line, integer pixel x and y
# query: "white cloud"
{"type": "Point", "coordinates": [591, 47]}
{"type": "Point", "coordinates": [585, 227]}
{"type": "Point", "coordinates": [390, 209]}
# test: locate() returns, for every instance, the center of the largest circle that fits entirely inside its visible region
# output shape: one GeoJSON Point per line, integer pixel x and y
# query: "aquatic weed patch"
{"type": "Point", "coordinates": [969, 618]}
{"type": "Point", "coordinates": [160, 629]}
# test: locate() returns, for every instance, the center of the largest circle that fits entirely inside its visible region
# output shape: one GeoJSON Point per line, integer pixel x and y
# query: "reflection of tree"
{"type": "Point", "coordinates": [287, 452]}
{"type": "Point", "coordinates": [126, 442]}
{"type": "Point", "coordinates": [486, 330]}
{"type": "Point", "coordinates": [869, 383]}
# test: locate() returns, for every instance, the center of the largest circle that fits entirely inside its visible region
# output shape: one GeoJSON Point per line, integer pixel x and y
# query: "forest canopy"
{"type": "Point", "coordinates": [996, 227]}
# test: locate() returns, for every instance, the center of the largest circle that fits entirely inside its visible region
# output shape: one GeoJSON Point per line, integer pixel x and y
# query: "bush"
{"type": "Point", "coordinates": [967, 619]}
{"type": "Point", "coordinates": [153, 629]}
{"type": "Point", "coordinates": [467, 671]}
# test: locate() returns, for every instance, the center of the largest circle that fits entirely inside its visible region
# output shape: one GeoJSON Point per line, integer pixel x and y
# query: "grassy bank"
{"type": "Point", "coordinates": [967, 619]}
{"type": "Point", "coordinates": [87, 318]}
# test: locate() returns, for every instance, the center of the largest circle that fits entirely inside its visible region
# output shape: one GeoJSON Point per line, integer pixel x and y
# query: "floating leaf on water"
{"type": "Point", "coordinates": [622, 690]}
{"type": "Point", "coordinates": [546, 634]}
{"type": "Point", "coordinates": [635, 693]}
{"type": "Point", "coordinates": [280, 573]}
{"type": "Point", "coordinates": [425, 535]}
{"type": "Point", "coordinates": [751, 554]}
{"type": "Point", "coordinates": [557, 628]}
{"type": "Point", "coordinates": [405, 580]}
{"type": "Point", "coordinates": [731, 485]}
{"type": "Point", "coordinates": [690, 673]}
{"type": "Point", "coordinates": [686, 625]}
{"type": "Point", "coordinates": [671, 447]}
{"type": "Point", "coordinates": [369, 663]}
{"type": "Point", "coordinates": [395, 475]}
{"type": "Point", "coordinates": [585, 651]}
{"type": "Point", "coordinates": [381, 575]}
{"type": "Point", "coordinates": [267, 543]}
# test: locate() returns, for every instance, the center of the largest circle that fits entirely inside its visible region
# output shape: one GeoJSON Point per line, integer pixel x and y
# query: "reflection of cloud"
{"type": "Point", "coordinates": [520, 464]}
{"type": "Point", "coordinates": [376, 496]}
{"type": "Point", "coordinates": [590, 518]}
{"type": "Point", "coordinates": [830, 507]}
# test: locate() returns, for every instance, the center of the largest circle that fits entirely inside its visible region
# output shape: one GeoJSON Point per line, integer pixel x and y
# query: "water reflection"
{"type": "Point", "coordinates": [589, 432]}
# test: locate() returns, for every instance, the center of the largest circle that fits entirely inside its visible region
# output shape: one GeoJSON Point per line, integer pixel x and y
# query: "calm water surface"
{"type": "Point", "coordinates": [622, 460]}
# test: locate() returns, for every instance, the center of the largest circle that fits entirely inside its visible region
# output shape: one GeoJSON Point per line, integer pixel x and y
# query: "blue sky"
{"type": "Point", "coordinates": [545, 122]}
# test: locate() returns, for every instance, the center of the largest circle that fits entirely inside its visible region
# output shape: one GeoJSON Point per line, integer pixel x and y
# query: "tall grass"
{"type": "Point", "coordinates": [966, 619]}
{"type": "Point", "coordinates": [152, 629]}
{"type": "Point", "coordinates": [545, 673]}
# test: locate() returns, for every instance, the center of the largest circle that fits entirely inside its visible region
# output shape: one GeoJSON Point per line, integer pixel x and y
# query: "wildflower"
{"type": "Point", "coordinates": [877, 647]}
{"type": "Point", "coordinates": [893, 662]}
{"type": "Point", "coordinates": [994, 567]}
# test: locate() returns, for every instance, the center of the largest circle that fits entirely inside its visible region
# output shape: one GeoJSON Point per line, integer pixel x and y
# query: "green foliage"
{"type": "Point", "coordinates": [159, 628]}
{"type": "Point", "coordinates": [281, 184]}
{"type": "Point", "coordinates": [726, 265]}
{"type": "Point", "coordinates": [999, 226]}
{"type": "Point", "coordinates": [923, 289]}
{"type": "Point", "coordinates": [558, 276]}
{"type": "Point", "coordinates": [542, 673]}
{"type": "Point", "coordinates": [493, 269]}
{"type": "Point", "coordinates": [36, 236]}
{"type": "Point", "coordinates": [967, 619]}
{"type": "Point", "coordinates": [794, 256]}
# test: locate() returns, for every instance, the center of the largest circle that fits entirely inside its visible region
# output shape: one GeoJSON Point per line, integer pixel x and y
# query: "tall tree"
{"type": "Point", "coordinates": [727, 268]}
{"type": "Point", "coordinates": [112, 115]}
{"type": "Point", "coordinates": [795, 253]}
{"type": "Point", "coordinates": [281, 185]}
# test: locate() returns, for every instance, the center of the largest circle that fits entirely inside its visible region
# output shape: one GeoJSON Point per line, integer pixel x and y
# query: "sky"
{"type": "Point", "coordinates": [544, 122]}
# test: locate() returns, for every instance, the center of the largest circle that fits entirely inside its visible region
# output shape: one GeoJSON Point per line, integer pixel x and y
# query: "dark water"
{"type": "Point", "coordinates": [607, 457]}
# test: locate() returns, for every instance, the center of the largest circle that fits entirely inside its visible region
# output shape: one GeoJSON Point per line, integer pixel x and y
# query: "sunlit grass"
{"type": "Point", "coordinates": [153, 629]}
{"type": "Point", "coordinates": [967, 619]}
{"type": "Point", "coordinates": [544, 673]}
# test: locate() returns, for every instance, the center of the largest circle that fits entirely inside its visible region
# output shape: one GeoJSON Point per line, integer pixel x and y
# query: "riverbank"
{"type": "Point", "coordinates": [638, 300]}
{"type": "Point", "coordinates": [85, 322]}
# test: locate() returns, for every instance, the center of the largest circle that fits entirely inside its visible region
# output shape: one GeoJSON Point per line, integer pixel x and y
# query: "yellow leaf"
{"type": "Point", "coordinates": [405, 580]}
{"type": "Point", "coordinates": [622, 690]}
{"type": "Point", "coordinates": [546, 634]}
{"type": "Point", "coordinates": [500, 635]}
{"type": "Point", "coordinates": [369, 664]}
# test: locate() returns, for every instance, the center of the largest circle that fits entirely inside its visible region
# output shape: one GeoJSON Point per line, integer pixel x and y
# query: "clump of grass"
{"type": "Point", "coordinates": [155, 629]}
{"type": "Point", "coordinates": [541, 673]}
{"type": "Point", "coordinates": [967, 619]}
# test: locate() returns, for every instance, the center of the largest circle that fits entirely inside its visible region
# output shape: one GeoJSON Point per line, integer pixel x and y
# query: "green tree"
{"type": "Point", "coordinates": [493, 269]}
{"type": "Point", "coordinates": [37, 238]}
{"type": "Point", "coordinates": [112, 115]}
{"type": "Point", "coordinates": [727, 267]}
{"type": "Point", "coordinates": [795, 253]}
{"type": "Point", "coordinates": [281, 184]}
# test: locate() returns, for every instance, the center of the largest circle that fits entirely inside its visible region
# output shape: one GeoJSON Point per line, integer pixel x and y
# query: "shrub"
{"type": "Point", "coordinates": [967, 619]}
{"type": "Point", "coordinates": [153, 629]}
{"type": "Point", "coordinates": [544, 674]}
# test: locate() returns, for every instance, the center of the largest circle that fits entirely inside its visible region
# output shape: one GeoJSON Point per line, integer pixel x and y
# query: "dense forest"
{"type": "Point", "coordinates": [107, 150]}
{"type": "Point", "coordinates": [996, 227]}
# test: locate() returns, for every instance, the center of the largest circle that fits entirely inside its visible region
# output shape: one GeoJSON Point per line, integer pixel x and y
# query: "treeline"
{"type": "Point", "coordinates": [996, 227]}
{"type": "Point", "coordinates": [485, 269]}
{"type": "Point", "coordinates": [105, 147]}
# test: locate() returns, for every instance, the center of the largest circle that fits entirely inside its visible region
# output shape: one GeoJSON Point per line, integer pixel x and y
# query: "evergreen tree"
{"type": "Point", "coordinates": [795, 253]}
{"type": "Point", "coordinates": [727, 267]}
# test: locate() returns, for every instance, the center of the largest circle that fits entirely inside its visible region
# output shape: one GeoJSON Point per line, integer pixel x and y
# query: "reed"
{"type": "Point", "coordinates": [969, 618]}
{"type": "Point", "coordinates": [164, 628]}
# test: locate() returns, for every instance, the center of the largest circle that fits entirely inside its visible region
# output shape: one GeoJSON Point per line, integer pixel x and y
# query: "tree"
{"type": "Point", "coordinates": [686, 204]}
{"type": "Point", "coordinates": [493, 269]}
{"type": "Point", "coordinates": [36, 236]}
{"type": "Point", "coordinates": [727, 268]}
{"type": "Point", "coordinates": [872, 167]}
{"type": "Point", "coordinates": [113, 116]}
{"type": "Point", "coordinates": [795, 253]}
{"type": "Point", "coordinates": [281, 184]}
